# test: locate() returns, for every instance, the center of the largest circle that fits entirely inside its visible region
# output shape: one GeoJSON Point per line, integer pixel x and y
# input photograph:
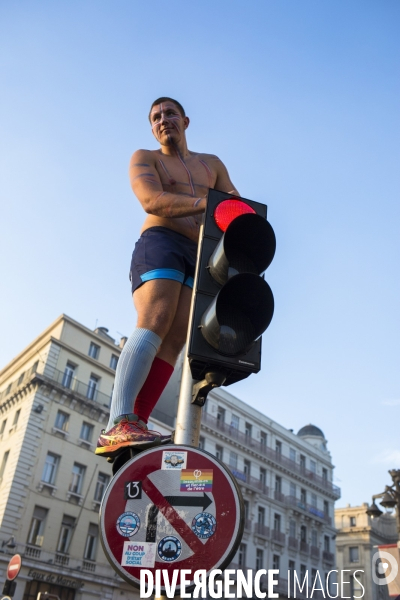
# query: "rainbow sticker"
{"type": "Point", "coordinates": [196, 480]}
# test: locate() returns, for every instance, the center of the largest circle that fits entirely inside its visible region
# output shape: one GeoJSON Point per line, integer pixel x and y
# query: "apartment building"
{"type": "Point", "coordinates": [358, 536]}
{"type": "Point", "coordinates": [54, 399]}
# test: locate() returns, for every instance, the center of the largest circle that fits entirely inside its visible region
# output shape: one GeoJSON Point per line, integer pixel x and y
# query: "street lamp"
{"type": "Point", "coordinates": [390, 499]}
{"type": "Point", "coordinates": [10, 543]}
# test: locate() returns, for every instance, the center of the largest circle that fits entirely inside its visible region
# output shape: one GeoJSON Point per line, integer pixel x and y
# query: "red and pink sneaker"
{"type": "Point", "coordinates": [128, 431]}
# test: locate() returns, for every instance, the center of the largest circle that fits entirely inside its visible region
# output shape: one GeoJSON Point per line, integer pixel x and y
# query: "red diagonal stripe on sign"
{"type": "Point", "coordinates": [172, 516]}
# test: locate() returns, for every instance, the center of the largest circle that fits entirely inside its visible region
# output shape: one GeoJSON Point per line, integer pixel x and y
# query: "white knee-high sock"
{"type": "Point", "coordinates": [133, 367]}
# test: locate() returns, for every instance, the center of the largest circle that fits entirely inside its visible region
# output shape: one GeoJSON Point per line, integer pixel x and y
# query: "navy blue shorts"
{"type": "Point", "coordinates": [161, 253]}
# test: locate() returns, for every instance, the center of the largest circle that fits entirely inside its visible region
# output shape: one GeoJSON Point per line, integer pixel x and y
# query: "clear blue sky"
{"type": "Point", "coordinates": [301, 102]}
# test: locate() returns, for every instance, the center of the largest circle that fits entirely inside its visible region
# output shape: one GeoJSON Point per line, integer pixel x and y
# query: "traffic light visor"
{"type": "Point", "coordinates": [227, 210]}
{"type": "Point", "coordinates": [238, 315]}
{"type": "Point", "coordinates": [247, 246]}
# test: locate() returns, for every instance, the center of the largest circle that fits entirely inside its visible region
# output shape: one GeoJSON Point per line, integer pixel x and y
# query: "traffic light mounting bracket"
{"type": "Point", "coordinates": [202, 388]}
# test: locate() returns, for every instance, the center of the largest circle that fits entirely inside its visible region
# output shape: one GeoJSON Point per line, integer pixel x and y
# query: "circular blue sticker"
{"type": "Point", "coordinates": [169, 548]}
{"type": "Point", "coordinates": [204, 525]}
{"type": "Point", "coordinates": [128, 524]}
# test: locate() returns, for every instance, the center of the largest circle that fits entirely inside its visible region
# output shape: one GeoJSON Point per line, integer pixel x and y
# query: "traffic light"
{"type": "Point", "coordinates": [233, 304]}
{"type": "Point", "coordinates": [9, 587]}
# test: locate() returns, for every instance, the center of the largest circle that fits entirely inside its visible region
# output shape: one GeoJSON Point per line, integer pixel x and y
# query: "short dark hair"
{"type": "Point", "coordinates": [167, 99]}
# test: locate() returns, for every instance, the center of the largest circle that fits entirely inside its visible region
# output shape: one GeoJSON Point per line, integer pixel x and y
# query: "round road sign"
{"type": "Point", "coordinates": [171, 507]}
{"type": "Point", "coordinates": [14, 567]}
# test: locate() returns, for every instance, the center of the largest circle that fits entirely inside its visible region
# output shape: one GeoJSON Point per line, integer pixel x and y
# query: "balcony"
{"type": "Point", "coordinates": [278, 537]}
{"type": "Point", "coordinates": [315, 552]}
{"type": "Point", "coordinates": [243, 477]}
{"type": "Point", "coordinates": [293, 543]}
{"type": "Point", "coordinates": [275, 457]}
{"type": "Point", "coordinates": [328, 557]}
{"type": "Point", "coordinates": [304, 547]}
{"type": "Point", "coordinates": [294, 502]}
{"type": "Point", "coordinates": [279, 496]}
{"type": "Point", "coordinates": [262, 530]}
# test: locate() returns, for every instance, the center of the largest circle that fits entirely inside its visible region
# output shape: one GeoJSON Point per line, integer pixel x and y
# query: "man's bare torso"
{"type": "Point", "coordinates": [192, 176]}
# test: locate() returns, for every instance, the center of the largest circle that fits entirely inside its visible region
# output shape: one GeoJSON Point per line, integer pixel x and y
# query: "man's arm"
{"type": "Point", "coordinates": [223, 182]}
{"type": "Point", "coordinates": [147, 187]}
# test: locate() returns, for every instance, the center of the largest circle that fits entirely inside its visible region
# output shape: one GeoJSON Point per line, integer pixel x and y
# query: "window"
{"type": "Point", "coordinates": [36, 530]}
{"type": "Point", "coordinates": [91, 542]}
{"type": "Point", "coordinates": [353, 552]}
{"type": "Point", "coordinates": [326, 508]}
{"type": "Point", "coordinates": [220, 414]}
{"type": "Point", "coordinates": [263, 438]}
{"type": "Point", "coordinates": [113, 361]}
{"type": "Point", "coordinates": [92, 387]}
{"type": "Point", "coordinates": [303, 533]}
{"type": "Point", "coordinates": [246, 509]}
{"type": "Point", "coordinates": [303, 496]}
{"type": "Point", "coordinates": [242, 555]}
{"type": "Point", "coordinates": [302, 462]}
{"type": "Point", "coordinates": [325, 474]}
{"type": "Point", "coordinates": [263, 476]}
{"type": "Point", "coordinates": [313, 466]}
{"type": "Point", "coordinates": [34, 367]}
{"type": "Point", "coordinates": [219, 452]}
{"type": "Point", "coordinates": [8, 390]}
{"type": "Point", "coordinates": [313, 576]}
{"type": "Point", "coordinates": [4, 463]}
{"type": "Point", "coordinates": [352, 521]}
{"type": "Point", "coordinates": [233, 459]}
{"type": "Point", "coordinates": [67, 526]}
{"type": "Point", "coordinates": [3, 426]}
{"type": "Point", "coordinates": [16, 417]}
{"type": "Point", "coordinates": [277, 522]}
{"type": "Point", "coordinates": [314, 537]}
{"type": "Point", "coordinates": [292, 528]}
{"type": "Point", "coordinates": [102, 483]}
{"type": "Point", "coordinates": [259, 559]}
{"type": "Point", "coordinates": [50, 468]}
{"type": "Point", "coordinates": [327, 545]}
{"type": "Point", "coordinates": [248, 429]}
{"type": "Point", "coordinates": [68, 375]}
{"type": "Point", "coordinates": [78, 473]}
{"type": "Point", "coordinates": [94, 350]}
{"type": "Point", "coordinates": [278, 447]}
{"type": "Point", "coordinates": [292, 454]}
{"type": "Point", "coordinates": [314, 500]}
{"type": "Point", "coordinates": [261, 515]}
{"type": "Point", "coordinates": [292, 568]}
{"type": "Point", "coordinates": [357, 590]}
{"type": "Point", "coordinates": [293, 489]}
{"type": "Point", "coordinates": [21, 378]}
{"type": "Point", "coordinates": [86, 432]}
{"type": "Point", "coordinates": [247, 468]}
{"type": "Point", "coordinates": [202, 442]}
{"type": "Point", "coordinates": [278, 484]}
{"type": "Point", "coordinates": [303, 573]}
{"type": "Point", "coordinates": [275, 561]}
{"type": "Point", "coordinates": [235, 422]}
{"type": "Point", "coordinates": [62, 421]}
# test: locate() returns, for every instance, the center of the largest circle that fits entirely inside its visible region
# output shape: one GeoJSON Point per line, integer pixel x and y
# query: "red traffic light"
{"type": "Point", "coordinates": [227, 210]}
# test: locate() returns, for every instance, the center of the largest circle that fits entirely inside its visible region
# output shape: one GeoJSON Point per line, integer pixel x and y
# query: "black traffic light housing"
{"type": "Point", "coordinates": [233, 304]}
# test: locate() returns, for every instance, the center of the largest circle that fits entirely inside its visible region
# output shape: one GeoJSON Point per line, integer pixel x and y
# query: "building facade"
{"type": "Point", "coordinates": [358, 536]}
{"type": "Point", "coordinates": [54, 400]}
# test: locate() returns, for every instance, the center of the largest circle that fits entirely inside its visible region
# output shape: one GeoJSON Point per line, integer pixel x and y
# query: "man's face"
{"type": "Point", "coordinates": [167, 123]}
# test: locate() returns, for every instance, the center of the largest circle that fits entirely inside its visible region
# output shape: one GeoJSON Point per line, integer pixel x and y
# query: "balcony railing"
{"type": "Point", "coordinates": [278, 536]}
{"type": "Point", "coordinates": [304, 547]}
{"type": "Point", "coordinates": [277, 457]}
{"type": "Point", "coordinates": [297, 503]}
{"type": "Point", "coordinates": [315, 552]}
{"type": "Point", "coordinates": [243, 477]}
{"type": "Point", "coordinates": [293, 543]}
{"type": "Point", "coordinates": [262, 530]}
{"type": "Point", "coordinates": [328, 557]}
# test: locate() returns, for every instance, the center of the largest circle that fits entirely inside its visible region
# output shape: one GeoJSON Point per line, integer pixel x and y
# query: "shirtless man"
{"type": "Point", "coordinates": [172, 185]}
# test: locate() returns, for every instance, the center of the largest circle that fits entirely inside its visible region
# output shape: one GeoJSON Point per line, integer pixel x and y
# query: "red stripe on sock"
{"type": "Point", "coordinates": [153, 387]}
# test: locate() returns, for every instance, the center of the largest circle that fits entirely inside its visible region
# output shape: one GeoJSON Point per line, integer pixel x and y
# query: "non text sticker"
{"type": "Point", "coordinates": [128, 524]}
{"type": "Point", "coordinates": [173, 460]}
